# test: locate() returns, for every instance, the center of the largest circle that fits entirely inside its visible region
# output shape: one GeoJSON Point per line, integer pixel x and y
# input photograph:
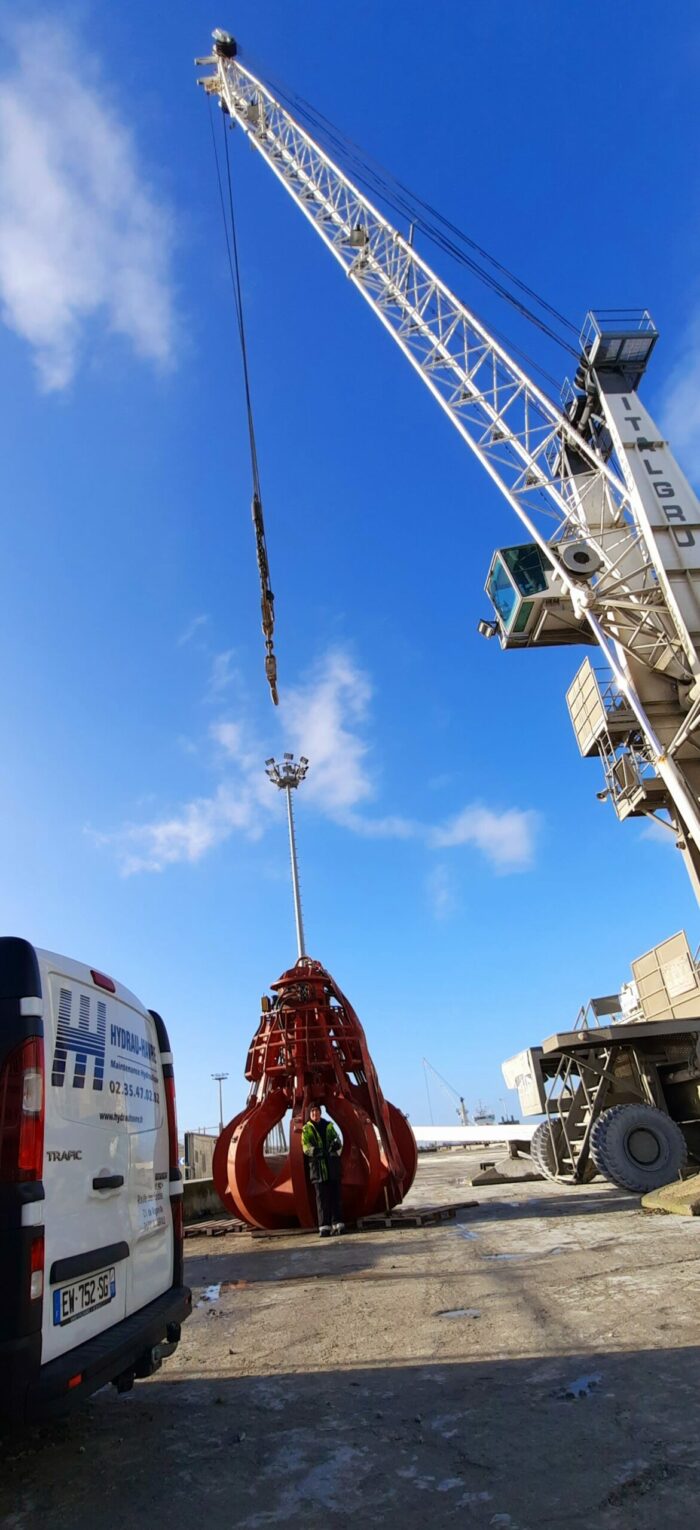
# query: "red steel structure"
{"type": "Point", "coordinates": [310, 1046]}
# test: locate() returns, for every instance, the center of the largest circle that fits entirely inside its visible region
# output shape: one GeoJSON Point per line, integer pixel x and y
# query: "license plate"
{"type": "Point", "coordinates": [83, 1296]}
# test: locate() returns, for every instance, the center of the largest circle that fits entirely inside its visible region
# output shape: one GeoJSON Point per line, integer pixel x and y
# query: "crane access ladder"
{"type": "Point", "coordinates": [577, 1094]}
{"type": "Point", "coordinates": [575, 1100]}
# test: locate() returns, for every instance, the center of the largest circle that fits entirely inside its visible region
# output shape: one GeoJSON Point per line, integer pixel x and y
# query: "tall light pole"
{"type": "Point", "coordinates": [219, 1079]}
{"type": "Point", "coordinates": [287, 776]}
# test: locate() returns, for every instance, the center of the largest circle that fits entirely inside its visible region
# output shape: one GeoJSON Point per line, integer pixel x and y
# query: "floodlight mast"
{"type": "Point", "coordinates": [595, 487]}
{"type": "Point", "coordinates": [220, 1078]}
{"type": "Point", "coordinates": [287, 777]}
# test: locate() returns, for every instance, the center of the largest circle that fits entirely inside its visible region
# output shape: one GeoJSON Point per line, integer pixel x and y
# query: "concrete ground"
{"type": "Point", "coordinates": [532, 1364]}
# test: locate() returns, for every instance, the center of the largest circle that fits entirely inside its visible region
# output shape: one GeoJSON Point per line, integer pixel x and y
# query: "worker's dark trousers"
{"type": "Point", "coordinates": [328, 1202]}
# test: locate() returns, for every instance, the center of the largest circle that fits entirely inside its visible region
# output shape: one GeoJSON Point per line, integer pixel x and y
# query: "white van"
{"type": "Point", "coordinates": [90, 1189]}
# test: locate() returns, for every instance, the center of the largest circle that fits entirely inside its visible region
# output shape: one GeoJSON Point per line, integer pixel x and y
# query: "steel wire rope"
{"type": "Point", "coordinates": [403, 206]}
{"type": "Point", "coordinates": [402, 200]}
{"type": "Point", "coordinates": [266, 596]}
{"type": "Point", "coordinates": [382, 175]}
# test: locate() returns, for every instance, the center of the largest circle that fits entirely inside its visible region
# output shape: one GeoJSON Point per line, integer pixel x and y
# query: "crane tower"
{"type": "Point", "coordinates": [611, 550]}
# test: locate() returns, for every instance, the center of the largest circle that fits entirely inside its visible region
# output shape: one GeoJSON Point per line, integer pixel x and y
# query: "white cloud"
{"type": "Point", "coordinates": [229, 736]}
{"type": "Point", "coordinates": [242, 803]}
{"type": "Point", "coordinates": [188, 834]}
{"type": "Point", "coordinates": [507, 839]}
{"type": "Point", "coordinates": [187, 745]}
{"type": "Point", "coordinates": [191, 630]}
{"type": "Point", "coordinates": [83, 240]}
{"type": "Point", "coordinates": [240, 748]}
{"type": "Point", "coordinates": [321, 720]}
{"type": "Point", "coordinates": [393, 826]}
{"type": "Point", "coordinates": [325, 718]}
{"type": "Point", "coordinates": [222, 674]}
{"type": "Point", "coordinates": [441, 892]}
{"type": "Point", "coordinates": [680, 409]}
{"type": "Point", "coordinates": [661, 832]}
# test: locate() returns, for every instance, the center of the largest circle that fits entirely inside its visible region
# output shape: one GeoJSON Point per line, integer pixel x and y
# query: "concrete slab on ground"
{"type": "Point", "coordinates": [534, 1362]}
{"type": "Point", "coordinates": [680, 1199]}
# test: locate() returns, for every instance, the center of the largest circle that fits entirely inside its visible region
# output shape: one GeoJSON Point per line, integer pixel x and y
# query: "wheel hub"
{"type": "Point", "coordinates": [643, 1146]}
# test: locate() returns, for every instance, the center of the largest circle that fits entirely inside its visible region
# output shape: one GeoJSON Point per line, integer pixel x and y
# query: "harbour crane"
{"type": "Point", "coordinates": [460, 1106]}
{"type": "Point", "coordinates": [610, 555]}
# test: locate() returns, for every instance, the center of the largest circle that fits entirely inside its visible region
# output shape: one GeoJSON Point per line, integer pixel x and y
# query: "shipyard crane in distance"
{"type": "Point", "coordinates": [611, 549]}
{"type": "Point", "coordinates": [460, 1106]}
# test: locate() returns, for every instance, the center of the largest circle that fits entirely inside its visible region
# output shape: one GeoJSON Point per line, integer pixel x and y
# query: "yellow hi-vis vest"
{"type": "Point", "coordinates": [313, 1145]}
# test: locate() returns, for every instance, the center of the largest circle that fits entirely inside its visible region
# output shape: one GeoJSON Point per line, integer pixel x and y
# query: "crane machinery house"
{"type": "Point", "coordinates": [91, 1202]}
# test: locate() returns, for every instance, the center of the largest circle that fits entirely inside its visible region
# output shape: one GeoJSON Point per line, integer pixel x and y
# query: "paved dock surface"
{"type": "Point", "coordinates": [533, 1363]}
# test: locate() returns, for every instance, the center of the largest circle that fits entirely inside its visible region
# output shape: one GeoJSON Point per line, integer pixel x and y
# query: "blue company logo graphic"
{"type": "Point", "coordinates": [80, 1040]}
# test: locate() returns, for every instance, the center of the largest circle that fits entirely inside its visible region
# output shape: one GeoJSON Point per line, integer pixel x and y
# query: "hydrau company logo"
{"type": "Point", "coordinates": [79, 1040]}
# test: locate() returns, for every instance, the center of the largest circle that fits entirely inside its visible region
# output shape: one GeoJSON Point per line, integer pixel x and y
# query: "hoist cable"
{"type": "Point", "coordinates": [238, 299]}
{"type": "Point", "coordinates": [407, 210]}
{"type": "Point", "coordinates": [423, 216]}
{"type": "Point", "coordinates": [267, 598]}
{"type": "Point", "coordinates": [400, 197]}
{"type": "Point", "coordinates": [382, 175]}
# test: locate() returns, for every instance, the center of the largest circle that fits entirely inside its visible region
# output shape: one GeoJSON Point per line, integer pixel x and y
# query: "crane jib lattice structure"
{"type": "Point", "coordinates": [613, 526]}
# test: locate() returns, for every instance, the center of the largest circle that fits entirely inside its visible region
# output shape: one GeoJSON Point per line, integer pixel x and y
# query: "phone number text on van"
{"type": "Point", "coordinates": [133, 1091]}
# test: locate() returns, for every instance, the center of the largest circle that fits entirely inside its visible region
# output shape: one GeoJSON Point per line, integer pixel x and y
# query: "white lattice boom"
{"type": "Point", "coordinates": [560, 486]}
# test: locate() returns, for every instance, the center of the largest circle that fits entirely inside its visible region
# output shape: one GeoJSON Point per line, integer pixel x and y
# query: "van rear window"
{"type": "Point", "coordinates": [105, 1065]}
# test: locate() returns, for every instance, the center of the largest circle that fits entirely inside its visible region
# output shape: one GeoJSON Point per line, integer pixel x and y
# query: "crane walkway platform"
{"type": "Point", "coordinates": [638, 1032]}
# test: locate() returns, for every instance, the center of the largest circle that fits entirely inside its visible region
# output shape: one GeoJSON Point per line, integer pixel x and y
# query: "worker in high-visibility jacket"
{"type": "Point", "coordinates": [322, 1148]}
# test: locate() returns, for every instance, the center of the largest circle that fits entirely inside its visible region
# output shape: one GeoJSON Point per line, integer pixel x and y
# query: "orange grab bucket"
{"type": "Point", "coordinates": [310, 1046]}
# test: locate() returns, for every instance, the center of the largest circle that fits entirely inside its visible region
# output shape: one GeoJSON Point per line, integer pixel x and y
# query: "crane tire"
{"type": "Point", "coordinates": [544, 1158]}
{"type": "Point", "coordinates": [638, 1147]}
{"type": "Point", "coordinates": [542, 1148]}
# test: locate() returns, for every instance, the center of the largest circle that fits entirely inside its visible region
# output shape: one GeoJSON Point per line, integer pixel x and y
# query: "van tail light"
{"type": "Point", "coordinates": [177, 1209]}
{"type": "Point", "coordinates": [177, 1206]}
{"type": "Point", "coordinates": [36, 1268]}
{"type": "Point", "coordinates": [22, 1113]}
{"type": "Point", "coordinates": [175, 1177]}
{"type": "Point", "coordinates": [171, 1107]}
{"type": "Point", "coordinates": [176, 1200]}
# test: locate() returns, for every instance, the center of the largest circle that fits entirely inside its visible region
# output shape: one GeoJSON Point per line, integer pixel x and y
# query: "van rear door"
{"type": "Point", "coordinates": [151, 1264]}
{"type": "Point", "coordinates": [88, 1231]}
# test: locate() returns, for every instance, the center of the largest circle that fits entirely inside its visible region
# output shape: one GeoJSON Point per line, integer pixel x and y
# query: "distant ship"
{"type": "Point", "coordinates": [483, 1117]}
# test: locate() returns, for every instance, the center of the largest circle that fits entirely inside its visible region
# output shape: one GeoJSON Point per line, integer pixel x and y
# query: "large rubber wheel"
{"type": "Point", "coordinates": [638, 1147]}
{"type": "Point", "coordinates": [542, 1148]}
{"type": "Point", "coordinates": [544, 1157]}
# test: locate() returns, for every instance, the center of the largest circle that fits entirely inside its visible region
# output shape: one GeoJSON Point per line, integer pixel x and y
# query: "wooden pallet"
{"type": "Point", "coordinates": [215, 1229]}
{"type": "Point", "coordinates": [284, 1232]}
{"type": "Point", "coordinates": [415, 1216]}
{"type": "Point", "coordinates": [401, 1216]}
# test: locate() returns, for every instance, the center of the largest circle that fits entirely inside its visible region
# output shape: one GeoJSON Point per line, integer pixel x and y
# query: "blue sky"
{"type": "Point", "coordinates": [459, 877]}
